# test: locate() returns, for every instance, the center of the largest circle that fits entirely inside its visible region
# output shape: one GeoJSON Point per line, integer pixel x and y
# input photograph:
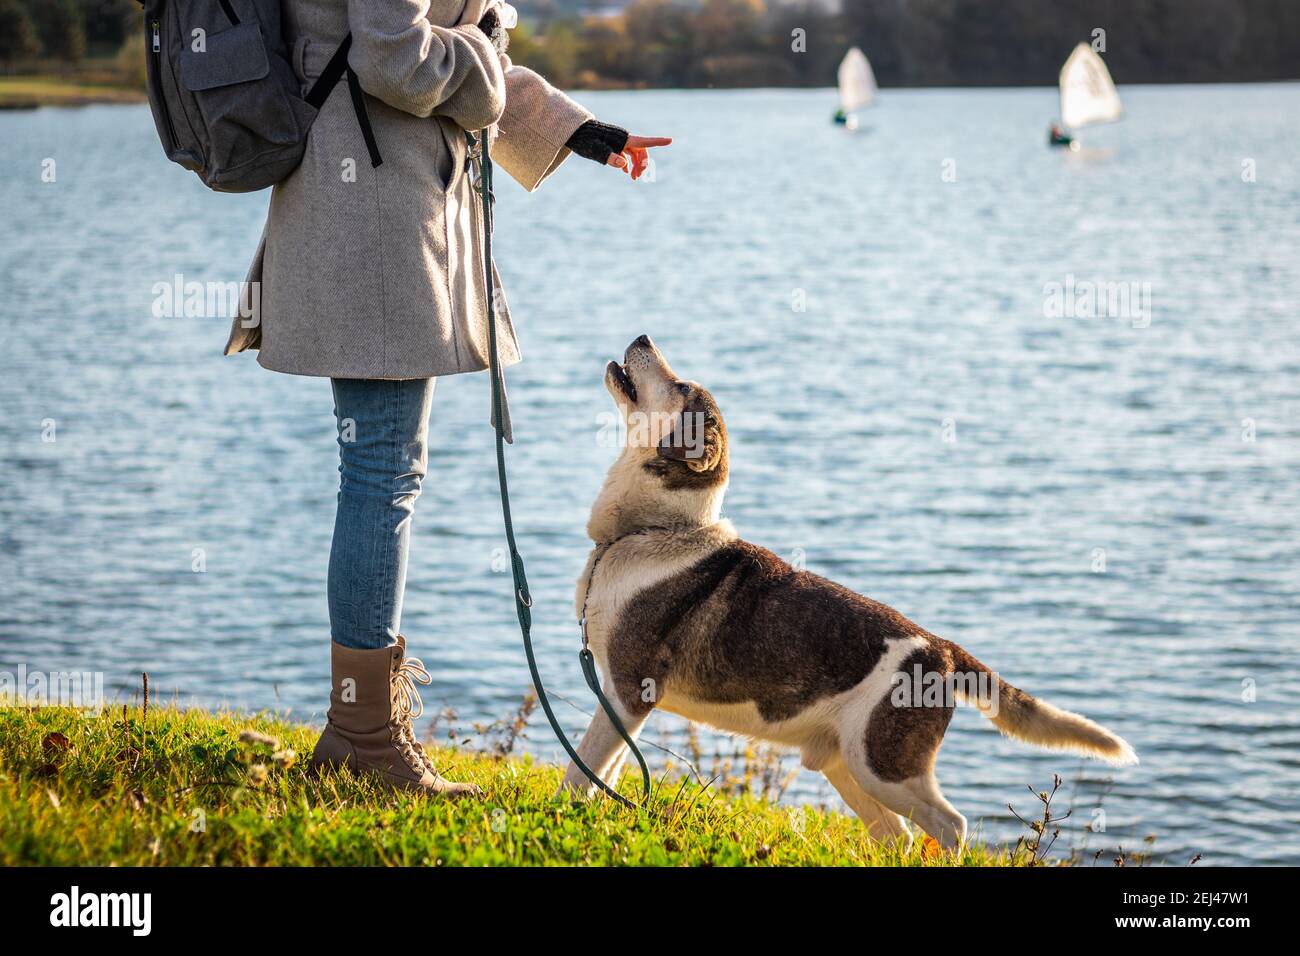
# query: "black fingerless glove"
{"type": "Point", "coordinates": [492, 28]}
{"type": "Point", "coordinates": [596, 141]}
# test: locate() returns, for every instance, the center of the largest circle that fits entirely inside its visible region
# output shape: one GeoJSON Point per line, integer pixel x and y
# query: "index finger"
{"type": "Point", "coordinates": [647, 141]}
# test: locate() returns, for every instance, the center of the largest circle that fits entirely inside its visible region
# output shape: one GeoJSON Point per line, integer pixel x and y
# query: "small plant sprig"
{"type": "Point", "coordinates": [500, 736]}
{"type": "Point", "coordinates": [1039, 828]}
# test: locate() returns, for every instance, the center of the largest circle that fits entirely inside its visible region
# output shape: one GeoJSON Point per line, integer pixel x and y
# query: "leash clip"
{"type": "Point", "coordinates": [474, 164]}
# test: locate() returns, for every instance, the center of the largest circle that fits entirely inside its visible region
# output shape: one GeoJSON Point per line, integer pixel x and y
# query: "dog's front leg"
{"type": "Point", "coordinates": [602, 748]}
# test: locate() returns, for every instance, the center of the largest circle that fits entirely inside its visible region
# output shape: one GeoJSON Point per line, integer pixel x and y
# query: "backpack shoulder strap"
{"type": "Point", "coordinates": [324, 86]}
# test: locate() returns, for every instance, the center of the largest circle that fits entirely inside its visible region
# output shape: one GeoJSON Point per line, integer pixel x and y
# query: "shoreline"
{"type": "Point", "coordinates": [19, 93]}
{"type": "Point", "coordinates": [38, 90]}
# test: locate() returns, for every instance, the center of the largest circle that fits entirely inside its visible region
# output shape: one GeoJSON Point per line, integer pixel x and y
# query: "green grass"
{"type": "Point", "coordinates": [24, 92]}
{"type": "Point", "coordinates": [181, 788]}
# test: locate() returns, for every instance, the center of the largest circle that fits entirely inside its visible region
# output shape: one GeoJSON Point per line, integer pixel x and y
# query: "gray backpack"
{"type": "Point", "coordinates": [224, 96]}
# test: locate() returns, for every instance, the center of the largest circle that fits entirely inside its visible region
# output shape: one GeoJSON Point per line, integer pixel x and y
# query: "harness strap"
{"type": "Point", "coordinates": [588, 661]}
{"type": "Point", "coordinates": [523, 599]}
{"type": "Point", "coordinates": [324, 86]}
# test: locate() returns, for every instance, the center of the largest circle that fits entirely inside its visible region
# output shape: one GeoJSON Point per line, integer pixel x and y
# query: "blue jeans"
{"type": "Point", "coordinates": [383, 455]}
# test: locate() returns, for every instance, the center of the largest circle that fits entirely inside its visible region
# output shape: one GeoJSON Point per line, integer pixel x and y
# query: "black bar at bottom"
{"type": "Point", "coordinates": [263, 905]}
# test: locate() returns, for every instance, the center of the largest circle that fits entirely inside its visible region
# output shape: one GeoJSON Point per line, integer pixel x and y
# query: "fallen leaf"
{"type": "Point", "coordinates": [54, 744]}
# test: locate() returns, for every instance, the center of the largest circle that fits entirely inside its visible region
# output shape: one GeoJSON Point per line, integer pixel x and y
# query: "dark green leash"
{"type": "Point", "coordinates": [523, 599]}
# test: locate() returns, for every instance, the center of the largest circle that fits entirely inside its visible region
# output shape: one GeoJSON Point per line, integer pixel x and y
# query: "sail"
{"type": "Point", "coordinates": [857, 82]}
{"type": "Point", "coordinates": [1087, 92]}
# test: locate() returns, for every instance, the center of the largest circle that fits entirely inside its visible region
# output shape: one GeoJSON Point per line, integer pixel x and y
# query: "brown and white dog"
{"type": "Point", "coordinates": [684, 615]}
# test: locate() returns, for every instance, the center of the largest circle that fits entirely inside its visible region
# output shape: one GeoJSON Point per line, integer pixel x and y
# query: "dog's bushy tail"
{"type": "Point", "coordinates": [1027, 718]}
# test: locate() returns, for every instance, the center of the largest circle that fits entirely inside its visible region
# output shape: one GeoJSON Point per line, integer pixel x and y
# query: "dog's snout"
{"type": "Point", "coordinates": [641, 349]}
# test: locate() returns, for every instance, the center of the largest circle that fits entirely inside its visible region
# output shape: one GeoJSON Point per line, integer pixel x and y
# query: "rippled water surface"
{"type": "Point", "coordinates": [928, 430]}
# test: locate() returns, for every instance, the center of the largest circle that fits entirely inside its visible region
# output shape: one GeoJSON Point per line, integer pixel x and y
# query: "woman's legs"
{"type": "Point", "coordinates": [383, 431]}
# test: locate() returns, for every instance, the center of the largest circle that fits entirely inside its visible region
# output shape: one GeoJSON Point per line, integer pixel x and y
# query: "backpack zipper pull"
{"type": "Point", "coordinates": [157, 40]}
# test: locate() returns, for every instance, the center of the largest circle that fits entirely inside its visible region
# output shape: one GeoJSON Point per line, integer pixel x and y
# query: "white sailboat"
{"type": "Point", "coordinates": [857, 87]}
{"type": "Point", "coordinates": [1088, 95]}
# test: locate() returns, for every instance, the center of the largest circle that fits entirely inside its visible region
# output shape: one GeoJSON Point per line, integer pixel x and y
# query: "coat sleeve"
{"type": "Point", "coordinates": [537, 122]}
{"type": "Point", "coordinates": [414, 65]}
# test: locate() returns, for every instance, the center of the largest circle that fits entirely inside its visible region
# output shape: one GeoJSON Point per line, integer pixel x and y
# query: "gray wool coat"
{"type": "Point", "coordinates": [378, 272]}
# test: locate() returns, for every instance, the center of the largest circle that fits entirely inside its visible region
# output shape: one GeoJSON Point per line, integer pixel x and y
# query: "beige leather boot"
{"type": "Point", "coordinates": [372, 703]}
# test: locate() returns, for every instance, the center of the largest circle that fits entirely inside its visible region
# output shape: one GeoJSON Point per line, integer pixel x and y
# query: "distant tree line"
{"type": "Point", "coordinates": [693, 43]}
{"type": "Point", "coordinates": [65, 31]}
{"type": "Point", "coordinates": [736, 43]}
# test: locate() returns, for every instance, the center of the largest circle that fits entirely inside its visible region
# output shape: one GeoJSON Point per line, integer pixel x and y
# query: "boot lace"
{"type": "Point", "coordinates": [407, 708]}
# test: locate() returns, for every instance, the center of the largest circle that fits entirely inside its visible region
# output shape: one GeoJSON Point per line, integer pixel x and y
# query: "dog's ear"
{"type": "Point", "coordinates": [697, 438]}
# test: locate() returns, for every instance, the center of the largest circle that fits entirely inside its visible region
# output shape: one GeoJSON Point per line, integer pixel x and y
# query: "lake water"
{"type": "Point", "coordinates": [1102, 508]}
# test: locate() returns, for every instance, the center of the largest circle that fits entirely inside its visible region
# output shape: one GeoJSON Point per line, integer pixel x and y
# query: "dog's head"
{"type": "Point", "coordinates": [673, 425]}
{"type": "Point", "coordinates": [673, 468]}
